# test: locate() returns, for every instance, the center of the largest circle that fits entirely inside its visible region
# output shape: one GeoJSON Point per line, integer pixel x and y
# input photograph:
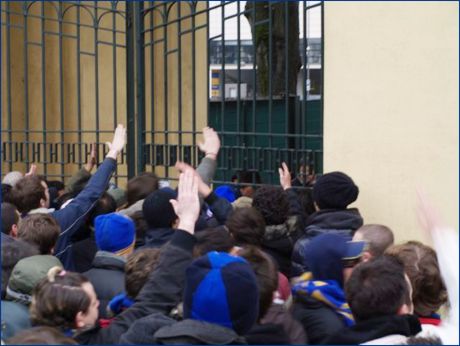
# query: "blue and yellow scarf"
{"type": "Point", "coordinates": [328, 292]}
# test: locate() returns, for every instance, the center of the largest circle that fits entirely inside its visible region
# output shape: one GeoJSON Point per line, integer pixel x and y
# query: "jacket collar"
{"type": "Point", "coordinates": [203, 332]}
{"type": "Point", "coordinates": [108, 260]}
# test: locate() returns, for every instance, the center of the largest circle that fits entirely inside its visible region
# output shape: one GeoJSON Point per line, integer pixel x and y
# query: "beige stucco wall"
{"type": "Point", "coordinates": [391, 106]}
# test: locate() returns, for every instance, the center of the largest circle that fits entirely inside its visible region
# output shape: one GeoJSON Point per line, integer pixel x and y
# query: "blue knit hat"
{"type": "Point", "coordinates": [222, 289]}
{"type": "Point", "coordinates": [114, 232]}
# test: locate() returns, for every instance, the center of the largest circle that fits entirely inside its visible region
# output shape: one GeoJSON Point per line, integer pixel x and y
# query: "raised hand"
{"type": "Point", "coordinates": [187, 205]}
{"type": "Point", "coordinates": [211, 143]}
{"type": "Point", "coordinates": [92, 158]}
{"type": "Point", "coordinates": [118, 142]}
{"type": "Point", "coordinates": [285, 176]}
{"type": "Point", "coordinates": [203, 189]}
{"type": "Point", "coordinates": [32, 170]}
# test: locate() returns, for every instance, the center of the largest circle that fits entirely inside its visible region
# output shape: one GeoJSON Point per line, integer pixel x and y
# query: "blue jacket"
{"type": "Point", "coordinates": [72, 217]}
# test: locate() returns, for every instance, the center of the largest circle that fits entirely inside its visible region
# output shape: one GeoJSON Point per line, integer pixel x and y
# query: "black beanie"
{"type": "Point", "coordinates": [334, 190]}
{"type": "Point", "coordinates": [158, 211]}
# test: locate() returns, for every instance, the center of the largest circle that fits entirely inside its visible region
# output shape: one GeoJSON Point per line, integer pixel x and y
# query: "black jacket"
{"type": "Point", "coordinates": [267, 334]}
{"type": "Point", "coordinates": [108, 278]}
{"type": "Point", "coordinates": [344, 222]}
{"type": "Point", "coordinates": [157, 237]}
{"type": "Point", "coordinates": [318, 320]}
{"type": "Point", "coordinates": [279, 240]}
{"type": "Point", "coordinates": [162, 330]}
{"type": "Point", "coordinates": [83, 253]}
{"type": "Point", "coordinates": [364, 331]}
{"type": "Point", "coordinates": [160, 294]}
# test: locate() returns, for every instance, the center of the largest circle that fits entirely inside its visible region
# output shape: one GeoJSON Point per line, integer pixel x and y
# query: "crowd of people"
{"type": "Point", "coordinates": [247, 263]}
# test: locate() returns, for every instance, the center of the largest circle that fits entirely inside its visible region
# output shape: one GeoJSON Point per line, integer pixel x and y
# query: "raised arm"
{"type": "Point", "coordinates": [73, 215]}
{"type": "Point", "coordinates": [210, 147]}
{"type": "Point", "coordinates": [164, 287]}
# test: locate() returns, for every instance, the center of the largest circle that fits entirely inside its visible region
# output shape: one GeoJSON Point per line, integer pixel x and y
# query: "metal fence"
{"type": "Point", "coordinates": [72, 70]}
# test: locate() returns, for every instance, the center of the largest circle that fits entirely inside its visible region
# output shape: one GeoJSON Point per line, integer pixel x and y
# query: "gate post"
{"type": "Point", "coordinates": [140, 84]}
{"type": "Point", "coordinates": [131, 127]}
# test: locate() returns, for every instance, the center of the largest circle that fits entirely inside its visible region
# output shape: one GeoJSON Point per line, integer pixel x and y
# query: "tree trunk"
{"type": "Point", "coordinates": [285, 56]}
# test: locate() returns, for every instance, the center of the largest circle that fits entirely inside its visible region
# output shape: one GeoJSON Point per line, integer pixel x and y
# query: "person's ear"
{"type": "Point", "coordinates": [366, 256]}
{"type": "Point", "coordinates": [79, 320]}
{"type": "Point", "coordinates": [42, 203]}
{"type": "Point", "coordinates": [404, 310]}
{"type": "Point", "coordinates": [14, 231]}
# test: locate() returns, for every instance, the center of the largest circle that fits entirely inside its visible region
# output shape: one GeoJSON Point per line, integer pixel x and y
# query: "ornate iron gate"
{"type": "Point", "coordinates": [71, 70]}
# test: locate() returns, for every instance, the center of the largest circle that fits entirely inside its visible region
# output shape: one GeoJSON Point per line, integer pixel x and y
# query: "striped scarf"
{"type": "Point", "coordinates": [328, 292]}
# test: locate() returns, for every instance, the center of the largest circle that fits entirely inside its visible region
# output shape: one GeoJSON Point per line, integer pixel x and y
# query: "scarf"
{"type": "Point", "coordinates": [328, 292]}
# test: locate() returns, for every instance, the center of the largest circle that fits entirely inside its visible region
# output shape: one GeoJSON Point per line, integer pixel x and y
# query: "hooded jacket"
{"type": "Point", "coordinates": [108, 278]}
{"type": "Point", "coordinates": [163, 330]}
{"type": "Point", "coordinates": [319, 320]}
{"type": "Point", "coordinates": [343, 222]}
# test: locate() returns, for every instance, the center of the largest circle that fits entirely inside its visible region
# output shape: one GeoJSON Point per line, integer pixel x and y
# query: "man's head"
{"type": "Point", "coordinates": [12, 178]}
{"type": "Point", "coordinates": [141, 186]}
{"type": "Point", "coordinates": [158, 211]}
{"type": "Point", "coordinates": [10, 218]}
{"type": "Point", "coordinates": [212, 239]}
{"type": "Point", "coordinates": [30, 193]}
{"type": "Point", "coordinates": [105, 205]}
{"type": "Point", "coordinates": [115, 233]}
{"type": "Point", "coordinates": [138, 268]}
{"type": "Point", "coordinates": [422, 267]}
{"type": "Point", "coordinates": [272, 203]}
{"type": "Point", "coordinates": [332, 257]}
{"type": "Point", "coordinates": [40, 230]}
{"type": "Point", "coordinates": [378, 238]}
{"type": "Point", "coordinates": [222, 289]}
{"type": "Point", "coordinates": [27, 273]}
{"type": "Point", "coordinates": [247, 226]}
{"type": "Point", "coordinates": [247, 179]}
{"type": "Point", "coordinates": [334, 190]}
{"type": "Point", "coordinates": [378, 288]}
{"type": "Point", "coordinates": [266, 274]}
{"type": "Point", "coordinates": [12, 252]}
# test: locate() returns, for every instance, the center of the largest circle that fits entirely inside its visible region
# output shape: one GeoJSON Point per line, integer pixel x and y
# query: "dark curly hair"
{"type": "Point", "coordinates": [272, 203]}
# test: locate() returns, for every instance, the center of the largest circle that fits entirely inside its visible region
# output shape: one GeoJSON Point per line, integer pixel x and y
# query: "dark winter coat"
{"type": "Point", "coordinates": [157, 237]}
{"type": "Point", "coordinates": [160, 294]}
{"type": "Point", "coordinates": [267, 334]}
{"type": "Point", "coordinates": [279, 240]}
{"type": "Point", "coordinates": [163, 330]}
{"type": "Point", "coordinates": [278, 314]}
{"type": "Point", "coordinates": [343, 222]}
{"type": "Point", "coordinates": [318, 320]}
{"type": "Point", "coordinates": [364, 331]}
{"type": "Point", "coordinates": [83, 253]}
{"type": "Point", "coordinates": [15, 317]}
{"type": "Point", "coordinates": [108, 278]}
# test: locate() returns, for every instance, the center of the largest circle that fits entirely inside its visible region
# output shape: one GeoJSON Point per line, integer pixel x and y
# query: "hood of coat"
{"type": "Point", "coordinates": [157, 237]}
{"type": "Point", "coordinates": [108, 260]}
{"type": "Point", "coordinates": [333, 220]}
